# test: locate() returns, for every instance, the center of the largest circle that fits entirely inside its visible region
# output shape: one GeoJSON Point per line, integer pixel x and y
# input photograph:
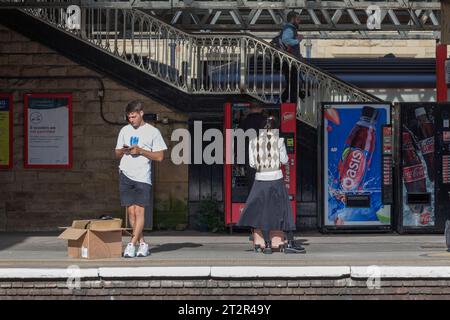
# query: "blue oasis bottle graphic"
{"type": "Point", "coordinates": [134, 140]}
{"type": "Point", "coordinates": [353, 165]}
{"type": "Point", "coordinates": [357, 155]}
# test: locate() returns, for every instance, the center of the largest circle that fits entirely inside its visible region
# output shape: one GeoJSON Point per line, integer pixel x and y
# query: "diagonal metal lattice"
{"type": "Point", "coordinates": [399, 19]}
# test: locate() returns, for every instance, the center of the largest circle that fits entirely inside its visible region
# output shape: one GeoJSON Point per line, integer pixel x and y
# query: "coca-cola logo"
{"type": "Point", "coordinates": [288, 116]}
{"type": "Point", "coordinates": [425, 219]}
{"type": "Point", "coordinates": [413, 173]}
{"type": "Point", "coordinates": [427, 145]}
{"type": "Point", "coordinates": [354, 167]}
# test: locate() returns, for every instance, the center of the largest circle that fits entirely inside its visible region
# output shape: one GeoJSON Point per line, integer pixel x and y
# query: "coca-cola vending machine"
{"type": "Point", "coordinates": [423, 167]}
{"type": "Point", "coordinates": [356, 167]}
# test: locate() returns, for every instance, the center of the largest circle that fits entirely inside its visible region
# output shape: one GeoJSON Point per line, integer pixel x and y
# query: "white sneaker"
{"type": "Point", "coordinates": [130, 251]}
{"type": "Point", "coordinates": [143, 250]}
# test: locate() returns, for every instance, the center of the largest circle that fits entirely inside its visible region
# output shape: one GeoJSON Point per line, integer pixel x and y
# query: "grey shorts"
{"type": "Point", "coordinates": [133, 192]}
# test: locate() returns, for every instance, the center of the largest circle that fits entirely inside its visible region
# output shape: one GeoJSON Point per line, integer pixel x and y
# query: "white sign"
{"type": "Point", "coordinates": [48, 130]}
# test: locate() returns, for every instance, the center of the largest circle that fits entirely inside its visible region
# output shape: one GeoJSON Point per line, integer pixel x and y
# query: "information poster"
{"type": "Point", "coordinates": [48, 130]}
{"type": "Point", "coordinates": [6, 131]}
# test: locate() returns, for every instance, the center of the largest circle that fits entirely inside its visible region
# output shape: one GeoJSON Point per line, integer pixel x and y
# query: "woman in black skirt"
{"type": "Point", "coordinates": [267, 207]}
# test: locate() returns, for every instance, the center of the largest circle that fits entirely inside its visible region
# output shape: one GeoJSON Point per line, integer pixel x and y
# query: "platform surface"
{"type": "Point", "coordinates": [189, 248]}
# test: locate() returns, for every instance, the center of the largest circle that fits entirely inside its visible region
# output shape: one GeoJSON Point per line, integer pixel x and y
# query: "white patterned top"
{"type": "Point", "coordinates": [266, 154]}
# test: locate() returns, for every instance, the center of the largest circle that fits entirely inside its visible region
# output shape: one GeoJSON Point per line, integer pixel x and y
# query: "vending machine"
{"type": "Point", "coordinates": [236, 185]}
{"type": "Point", "coordinates": [356, 167]}
{"type": "Point", "coordinates": [423, 167]}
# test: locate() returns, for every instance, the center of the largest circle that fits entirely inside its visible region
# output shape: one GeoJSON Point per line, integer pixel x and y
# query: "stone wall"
{"type": "Point", "coordinates": [372, 48]}
{"type": "Point", "coordinates": [43, 199]}
{"type": "Point", "coordinates": [226, 289]}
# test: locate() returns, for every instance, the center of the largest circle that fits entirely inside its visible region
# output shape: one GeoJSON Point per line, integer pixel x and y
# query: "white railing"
{"type": "Point", "coordinates": [205, 63]}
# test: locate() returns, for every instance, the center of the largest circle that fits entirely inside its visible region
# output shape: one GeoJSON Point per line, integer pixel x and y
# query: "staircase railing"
{"type": "Point", "coordinates": [204, 63]}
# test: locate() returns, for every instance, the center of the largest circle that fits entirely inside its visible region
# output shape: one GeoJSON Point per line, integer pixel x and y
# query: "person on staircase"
{"type": "Point", "coordinates": [291, 42]}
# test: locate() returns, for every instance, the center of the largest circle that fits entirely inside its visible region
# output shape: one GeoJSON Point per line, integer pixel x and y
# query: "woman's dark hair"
{"type": "Point", "coordinates": [271, 123]}
{"type": "Point", "coordinates": [134, 106]}
{"type": "Point", "coordinates": [261, 124]}
{"type": "Point", "coordinates": [255, 105]}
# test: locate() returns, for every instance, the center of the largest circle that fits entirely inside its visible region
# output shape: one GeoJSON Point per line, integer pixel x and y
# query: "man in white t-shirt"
{"type": "Point", "coordinates": [138, 144]}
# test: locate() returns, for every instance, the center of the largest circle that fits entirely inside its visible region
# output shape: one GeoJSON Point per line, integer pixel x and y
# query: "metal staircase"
{"type": "Point", "coordinates": [200, 64]}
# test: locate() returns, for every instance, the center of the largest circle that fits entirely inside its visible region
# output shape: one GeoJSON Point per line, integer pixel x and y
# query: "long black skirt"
{"type": "Point", "coordinates": [268, 207]}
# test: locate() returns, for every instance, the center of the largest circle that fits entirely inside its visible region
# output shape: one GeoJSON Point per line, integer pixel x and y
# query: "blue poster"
{"type": "Point", "coordinates": [352, 164]}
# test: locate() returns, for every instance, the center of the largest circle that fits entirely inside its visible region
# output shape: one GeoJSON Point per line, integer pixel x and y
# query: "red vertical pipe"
{"type": "Point", "coordinates": [441, 86]}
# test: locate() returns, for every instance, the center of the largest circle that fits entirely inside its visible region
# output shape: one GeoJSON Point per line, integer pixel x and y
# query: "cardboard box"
{"type": "Point", "coordinates": [94, 239]}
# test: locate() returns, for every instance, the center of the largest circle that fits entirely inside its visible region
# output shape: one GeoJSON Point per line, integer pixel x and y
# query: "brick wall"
{"type": "Point", "coordinates": [43, 199]}
{"type": "Point", "coordinates": [251, 289]}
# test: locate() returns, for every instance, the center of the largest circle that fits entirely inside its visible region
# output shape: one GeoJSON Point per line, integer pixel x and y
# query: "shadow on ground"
{"type": "Point", "coordinates": [9, 239]}
{"type": "Point", "coordinates": [175, 246]}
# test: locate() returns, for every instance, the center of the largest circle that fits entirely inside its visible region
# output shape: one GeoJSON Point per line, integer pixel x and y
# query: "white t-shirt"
{"type": "Point", "coordinates": [147, 137]}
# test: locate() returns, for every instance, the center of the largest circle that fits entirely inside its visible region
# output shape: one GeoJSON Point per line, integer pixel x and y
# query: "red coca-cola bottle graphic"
{"type": "Point", "coordinates": [413, 170]}
{"type": "Point", "coordinates": [358, 150]}
{"type": "Point", "coordinates": [426, 143]}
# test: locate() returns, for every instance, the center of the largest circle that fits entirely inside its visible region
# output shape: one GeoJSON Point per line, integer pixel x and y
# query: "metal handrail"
{"type": "Point", "coordinates": [205, 63]}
